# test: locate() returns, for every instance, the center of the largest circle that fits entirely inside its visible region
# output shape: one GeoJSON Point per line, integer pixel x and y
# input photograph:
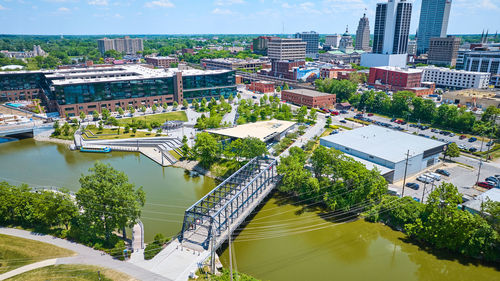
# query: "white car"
{"type": "Point", "coordinates": [424, 179]}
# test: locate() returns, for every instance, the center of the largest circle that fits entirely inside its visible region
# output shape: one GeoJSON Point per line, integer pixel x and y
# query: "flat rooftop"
{"type": "Point", "coordinates": [492, 194]}
{"type": "Point", "coordinates": [235, 60]}
{"type": "Point", "coordinates": [370, 165]}
{"type": "Point", "coordinates": [460, 71]}
{"type": "Point", "coordinates": [383, 143]}
{"type": "Point", "coordinates": [307, 92]}
{"type": "Point", "coordinates": [262, 130]}
{"type": "Point", "coordinates": [399, 69]}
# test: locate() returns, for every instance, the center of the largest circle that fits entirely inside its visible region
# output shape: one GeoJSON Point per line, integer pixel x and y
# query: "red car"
{"type": "Point", "coordinates": [370, 114]}
{"type": "Point", "coordinates": [463, 137]}
{"type": "Point", "coordinates": [485, 184]}
{"type": "Point", "coordinates": [335, 113]}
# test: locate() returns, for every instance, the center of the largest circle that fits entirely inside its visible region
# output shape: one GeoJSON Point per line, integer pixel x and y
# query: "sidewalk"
{"type": "Point", "coordinates": [85, 255]}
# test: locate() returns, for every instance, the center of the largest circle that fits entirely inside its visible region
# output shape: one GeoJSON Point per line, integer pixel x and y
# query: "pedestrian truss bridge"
{"type": "Point", "coordinates": [209, 222]}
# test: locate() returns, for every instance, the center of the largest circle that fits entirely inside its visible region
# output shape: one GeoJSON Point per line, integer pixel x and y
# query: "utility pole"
{"type": "Point", "coordinates": [423, 193]}
{"type": "Point", "coordinates": [213, 250]}
{"type": "Point", "coordinates": [406, 169]}
{"type": "Point", "coordinates": [480, 160]}
{"type": "Point", "coordinates": [230, 256]}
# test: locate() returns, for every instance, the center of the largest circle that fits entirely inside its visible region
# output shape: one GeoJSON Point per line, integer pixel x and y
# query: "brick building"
{"type": "Point", "coordinates": [394, 78]}
{"type": "Point", "coordinates": [444, 51]}
{"type": "Point", "coordinates": [334, 73]}
{"type": "Point", "coordinates": [162, 61]}
{"type": "Point", "coordinates": [263, 87]}
{"type": "Point", "coordinates": [309, 98]}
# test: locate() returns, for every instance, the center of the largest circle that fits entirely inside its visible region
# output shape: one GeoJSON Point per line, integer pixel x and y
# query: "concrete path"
{"type": "Point", "coordinates": [27, 268]}
{"type": "Point", "coordinates": [85, 255]}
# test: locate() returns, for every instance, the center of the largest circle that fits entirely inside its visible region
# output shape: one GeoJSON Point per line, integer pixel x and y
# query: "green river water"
{"type": "Point", "coordinates": [280, 243]}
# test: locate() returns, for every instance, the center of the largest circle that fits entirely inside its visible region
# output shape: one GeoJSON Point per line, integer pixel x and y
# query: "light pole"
{"type": "Point", "coordinates": [406, 169]}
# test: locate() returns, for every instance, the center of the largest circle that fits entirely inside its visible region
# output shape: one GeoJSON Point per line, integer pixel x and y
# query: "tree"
{"type": "Point", "coordinates": [285, 87]}
{"type": "Point", "coordinates": [56, 125]}
{"type": "Point", "coordinates": [82, 115]}
{"type": "Point", "coordinates": [231, 98]}
{"type": "Point", "coordinates": [175, 105]}
{"type": "Point", "coordinates": [278, 89]}
{"type": "Point", "coordinates": [185, 103]}
{"type": "Point", "coordinates": [154, 108]}
{"type": "Point", "coordinates": [95, 115]}
{"type": "Point", "coordinates": [452, 150]}
{"type": "Point", "coordinates": [105, 114]}
{"type": "Point", "coordinates": [164, 106]}
{"type": "Point", "coordinates": [239, 96]}
{"type": "Point", "coordinates": [252, 147]}
{"type": "Point", "coordinates": [313, 115]}
{"type": "Point", "coordinates": [328, 122]}
{"type": "Point", "coordinates": [134, 130]}
{"type": "Point", "coordinates": [131, 109]}
{"type": "Point", "coordinates": [206, 148]}
{"type": "Point", "coordinates": [108, 200]}
{"type": "Point", "coordinates": [143, 109]}
{"type": "Point", "coordinates": [120, 111]}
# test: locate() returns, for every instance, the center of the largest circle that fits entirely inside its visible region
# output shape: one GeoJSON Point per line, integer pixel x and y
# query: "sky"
{"type": "Point", "coordinates": [102, 17]}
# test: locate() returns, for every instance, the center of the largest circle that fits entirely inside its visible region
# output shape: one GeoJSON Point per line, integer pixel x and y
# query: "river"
{"type": "Point", "coordinates": [278, 244]}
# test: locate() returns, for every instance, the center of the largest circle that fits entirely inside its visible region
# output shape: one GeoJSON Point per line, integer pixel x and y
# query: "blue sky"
{"type": "Point", "coordinates": [218, 16]}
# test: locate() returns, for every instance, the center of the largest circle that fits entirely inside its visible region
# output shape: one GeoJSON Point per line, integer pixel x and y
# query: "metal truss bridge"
{"type": "Point", "coordinates": [208, 222]}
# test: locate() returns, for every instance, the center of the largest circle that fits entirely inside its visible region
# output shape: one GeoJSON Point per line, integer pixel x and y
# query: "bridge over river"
{"type": "Point", "coordinates": [209, 222]}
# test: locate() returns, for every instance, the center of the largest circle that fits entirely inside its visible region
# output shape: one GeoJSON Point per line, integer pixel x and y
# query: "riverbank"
{"type": "Point", "coordinates": [45, 137]}
{"type": "Point", "coordinates": [194, 166]}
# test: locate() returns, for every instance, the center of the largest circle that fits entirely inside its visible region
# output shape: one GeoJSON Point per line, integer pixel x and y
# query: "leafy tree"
{"type": "Point", "coordinates": [313, 115]}
{"type": "Point", "coordinates": [175, 105]}
{"type": "Point", "coordinates": [131, 109]}
{"type": "Point", "coordinates": [134, 130]}
{"type": "Point", "coordinates": [252, 147]}
{"type": "Point", "coordinates": [452, 150]}
{"type": "Point", "coordinates": [401, 102]}
{"type": "Point", "coordinates": [105, 114]}
{"type": "Point", "coordinates": [231, 98]}
{"type": "Point", "coordinates": [143, 109]}
{"type": "Point", "coordinates": [154, 108]}
{"type": "Point", "coordinates": [239, 96]}
{"type": "Point", "coordinates": [164, 106]}
{"type": "Point", "coordinates": [108, 200]}
{"type": "Point", "coordinates": [56, 124]}
{"type": "Point", "coordinates": [328, 122]}
{"type": "Point", "coordinates": [285, 87]}
{"type": "Point", "coordinates": [185, 103]}
{"type": "Point", "coordinates": [82, 115]}
{"type": "Point", "coordinates": [66, 129]}
{"type": "Point", "coordinates": [206, 149]}
{"type": "Point", "coordinates": [120, 111]}
{"type": "Point", "coordinates": [301, 114]}
{"type": "Point", "coordinates": [95, 115]}
{"type": "Point", "coordinates": [278, 89]}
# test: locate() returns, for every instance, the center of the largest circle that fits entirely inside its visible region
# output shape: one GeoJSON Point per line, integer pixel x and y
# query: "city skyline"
{"type": "Point", "coordinates": [102, 17]}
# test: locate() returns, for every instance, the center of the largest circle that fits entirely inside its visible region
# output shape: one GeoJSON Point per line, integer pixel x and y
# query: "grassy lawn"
{"type": "Point", "coordinates": [162, 117]}
{"type": "Point", "coordinates": [70, 136]}
{"type": "Point", "coordinates": [107, 134]}
{"type": "Point", "coordinates": [16, 252]}
{"type": "Point", "coordinates": [76, 272]}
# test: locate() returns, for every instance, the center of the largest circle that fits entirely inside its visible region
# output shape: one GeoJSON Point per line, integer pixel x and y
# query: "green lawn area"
{"type": "Point", "coordinates": [16, 252]}
{"type": "Point", "coordinates": [162, 117]}
{"type": "Point", "coordinates": [74, 272]}
{"type": "Point", "coordinates": [224, 168]}
{"type": "Point", "coordinates": [112, 134]}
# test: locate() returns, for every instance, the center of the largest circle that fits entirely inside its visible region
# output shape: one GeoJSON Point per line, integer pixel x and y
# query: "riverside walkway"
{"type": "Point", "coordinates": [209, 222]}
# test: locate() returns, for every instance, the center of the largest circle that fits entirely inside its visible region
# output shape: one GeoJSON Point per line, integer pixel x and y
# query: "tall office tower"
{"type": "Point", "coordinates": [289, 49]}
{"type": "Point", "coordinates": [392, 27]}
{"type": "Point", "coordinates": [434, 16]}
{"type": "Point", "coordinates": [312, 40]}
{"type": "Point", "coordinates": [363, 34]}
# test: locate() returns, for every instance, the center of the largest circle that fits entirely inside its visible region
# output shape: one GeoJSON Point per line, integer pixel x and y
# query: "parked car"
{"type": "Point", "coordinates": [494, 180]}
{"type": "Point", "coordinates": [462, 137]}
{"type": "Point", "coordinates": [490, 143]}
{"type": "Point", "coordinates": [424, 179]}
{"type": "Point", "coordinates": [485, 184]}
{"type": "Point", "coordinates": [393, 191]}
{"type": "Point", "coordinates": [433, 176]}
{"type": "Point", "coordinates": [413, 185]}
{"type": "Point", "coordinates": [434, 130]}
{"type": "Point", "coordinates": [393, 119]}
{"type": "Point", "coordinates": [343, 121]}
{"type": "Point", "coordinates": [370, 114]}
{"type": "Point", "coordinates": [472, 149]}
{"type": "Point", "coordinates": [472, 139]}
{"type": "Point", "coordinates": [443, 172]}
{"type": "Point", "coordinates": [343, 111]}
{"type": "Point", "coordinates": [462, 147]}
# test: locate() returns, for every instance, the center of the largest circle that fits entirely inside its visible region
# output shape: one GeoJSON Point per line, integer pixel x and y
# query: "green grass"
{"type": "Point", "coordinates": [107, 134]}
{"type": "Point", "coordinates": [162, 118]}
{"type": "Point", "coordinates": [224, 276]}
{"type": "Point", "coordinates": [224, 168]}
{"type": "Point", "coordinates": [74, 272]}
{"type": "Point", "coordinates": [358, 121]}
{"type": "Point", "coordinates": [17, 252]}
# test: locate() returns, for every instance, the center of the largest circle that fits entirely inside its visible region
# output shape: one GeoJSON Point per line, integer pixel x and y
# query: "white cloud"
{"type": "Point", "coordinates": [98, 2]}
{"type": "Point", "coordinates": [63, 10]}
{"type": "Point", "coordinates": [2, 7]}
{"type": "Point", "coordinates": [160, 3]}
{"type": "Point", "coordinates": [219, 11]}
{"type": "Point", "coordinates": [228, 2]}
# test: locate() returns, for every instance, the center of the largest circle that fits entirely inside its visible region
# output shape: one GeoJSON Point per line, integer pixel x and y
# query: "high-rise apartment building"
{"type": "Point", "coordinates": [434, 15]}
{"type": "Point", "coordinates": [125, 45]}
{"type": "Point", "coordinates": [312, 40]}
{"type": "Point", "coordinates": [363, 34]}
{"type": "Point", "coordinates": [392, 27]}
{"type": "Point", "coordinates": [443, 51]}
{"type": "Point", "coordinates": [333, 40]}
{"type": "Point", "coordinates": [481, 61]}
{"type": "Point", "coordinates": [286, 49]}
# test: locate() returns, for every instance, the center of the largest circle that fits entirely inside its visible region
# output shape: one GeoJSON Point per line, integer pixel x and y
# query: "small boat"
{"type": "Point", "coordinates": [95, 149]}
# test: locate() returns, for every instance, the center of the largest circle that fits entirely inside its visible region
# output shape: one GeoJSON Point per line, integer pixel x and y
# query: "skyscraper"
{"type": "Point", "coordinates": [363, 34]}
{"type": "Point", "coordinates": [312, 40]}
{"type": "Point", "coordinates": [434, 16]}
{"type": "Point", "coordinates": [392, 27]}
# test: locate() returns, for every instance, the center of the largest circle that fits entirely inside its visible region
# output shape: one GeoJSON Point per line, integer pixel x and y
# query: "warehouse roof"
{"type": "Point", "coordinates": [383, 143]}
{"type": "Point", "coordinates": [307, 92]}
{"type": "Point", "coordinates": [263, 130]}
{"type": "Point", "coordinates": [475, 204]}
